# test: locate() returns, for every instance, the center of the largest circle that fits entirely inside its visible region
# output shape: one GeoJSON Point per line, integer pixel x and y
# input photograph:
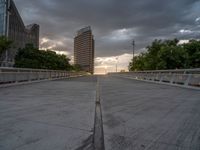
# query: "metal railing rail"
{"type": "Point", "coordinates": [19, 75]}
{"type": "Point", "coordinates": [182, 77]}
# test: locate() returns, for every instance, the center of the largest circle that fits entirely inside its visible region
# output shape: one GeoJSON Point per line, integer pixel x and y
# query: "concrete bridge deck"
{"type": "Point", "coordinates": [136, 115]}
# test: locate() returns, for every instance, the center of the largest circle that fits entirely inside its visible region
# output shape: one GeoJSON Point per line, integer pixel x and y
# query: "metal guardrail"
{"type": "Point", "coordinates": [183, 77]}
{"type": "Point", "coordinates": [19, 75]}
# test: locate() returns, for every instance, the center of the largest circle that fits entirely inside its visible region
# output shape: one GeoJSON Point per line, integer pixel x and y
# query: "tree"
{"type": "Point", "coordinates": [138, 63]}
{"type": "Point", "coordinates": [76, 67]}
{"type": "Point", "coordinates": [168, 54]}
{"type": "Point", "coordinates": [30, 57]}
{"type": "Point", "coordinates": [172, 57]}
{"type": "Point", "coordinates": [5, 44]}
{"type": "Point", "coordinates": [193, 50]}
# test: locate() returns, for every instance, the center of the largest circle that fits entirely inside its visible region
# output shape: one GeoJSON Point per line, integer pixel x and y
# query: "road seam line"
{"type": "Point", "coordinates": [98, 125]}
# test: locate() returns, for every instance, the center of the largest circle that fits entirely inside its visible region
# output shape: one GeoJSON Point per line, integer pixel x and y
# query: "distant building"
{"type": "Point", "coordinates": [84, 49]}
{"type": "Point", "coordinates": [12, 26]}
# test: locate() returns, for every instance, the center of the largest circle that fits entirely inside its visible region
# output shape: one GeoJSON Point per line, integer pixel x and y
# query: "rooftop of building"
{"type": "Point", "coordinates": [85, 29]}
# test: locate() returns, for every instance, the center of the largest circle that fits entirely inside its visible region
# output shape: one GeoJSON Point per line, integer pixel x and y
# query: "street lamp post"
{"type": "Point", "coordinates": [106, 69]}
{"type": "Point", "coordinates": [133, 43]}
{"type": "Point", "coordinates": [116, 64]}
{"type": "Point", "coordinates": [133, 48]}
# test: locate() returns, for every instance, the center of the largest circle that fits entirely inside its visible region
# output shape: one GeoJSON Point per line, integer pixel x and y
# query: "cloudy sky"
{"type": "Point", "coordinates": [114, 23]}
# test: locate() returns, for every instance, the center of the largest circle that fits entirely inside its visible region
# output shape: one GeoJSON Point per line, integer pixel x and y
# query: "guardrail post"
{"type": "Point", "coordinates": [188, 80]}
{"type": "Point", "coordinates": [161, 78]}
{"type": "Point", "coordinates": [16, 77]}
{"type": "Point", "coordinates": [172, 78]}
{"type": "Point", "coordinates": [29, 76]}
{"type": "Point", "coordinates": [16, 74]}
{"type": "Point", "coordinates": [38, 75]}
{"type": "Point", "coordinates": [49, 74]}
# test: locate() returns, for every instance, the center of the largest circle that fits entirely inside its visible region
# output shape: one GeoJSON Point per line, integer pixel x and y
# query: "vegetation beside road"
{"type": "Point", "coordinates": [168, 54]}
{"type": "Point", "coordinates": [30, 57]}
{"type": "Point", "coordinates": [4, 44]}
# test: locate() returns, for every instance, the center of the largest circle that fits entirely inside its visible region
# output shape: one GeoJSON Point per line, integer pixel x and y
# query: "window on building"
{"type": "Point", "coordinates": [2, 16]}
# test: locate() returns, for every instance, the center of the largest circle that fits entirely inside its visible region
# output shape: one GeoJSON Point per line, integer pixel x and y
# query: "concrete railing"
{"type": "Point", "coordinates": [19, 75]}
{"type": "Point", "coordinates": [186, 77]}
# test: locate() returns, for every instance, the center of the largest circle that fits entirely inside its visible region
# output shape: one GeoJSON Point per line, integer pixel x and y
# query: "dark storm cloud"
{"type": "Point", "coordinates": [114, 22]}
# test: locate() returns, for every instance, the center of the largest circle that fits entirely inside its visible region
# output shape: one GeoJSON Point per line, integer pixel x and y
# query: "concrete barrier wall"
{"type": "Point", "coordinates": [186, 77]}
{"type": "Point", "coordinates": [19, 75]}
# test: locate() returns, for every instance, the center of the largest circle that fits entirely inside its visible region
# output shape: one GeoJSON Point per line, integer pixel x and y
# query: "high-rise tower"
{"type": "Point", "coordinates": [84, 49]}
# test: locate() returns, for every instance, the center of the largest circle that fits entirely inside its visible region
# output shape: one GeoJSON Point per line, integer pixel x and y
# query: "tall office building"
{"type": "Point", "coordinates": [84, 49]}
{"type": "Point", "coordinates": [12, 26]}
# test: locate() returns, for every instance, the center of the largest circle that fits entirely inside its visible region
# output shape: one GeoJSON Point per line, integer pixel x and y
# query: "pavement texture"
{"type": "Point", "coordinates": [145, 116]}
{"type": "Point", "coordinates": [55, 115]}
{"type": "Point", "coordinates": [135, 115]}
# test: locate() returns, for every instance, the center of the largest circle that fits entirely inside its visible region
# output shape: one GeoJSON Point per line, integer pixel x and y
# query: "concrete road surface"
{"type": "Point", "coordinates": [144, 116]}
{"type": "Point", "coordinates": [55, 115]}
{"type": "Point", "coordinates": [136, 115]}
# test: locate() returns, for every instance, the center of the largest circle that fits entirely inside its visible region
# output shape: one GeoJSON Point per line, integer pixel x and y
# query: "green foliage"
{"type": "Point", "coordinates": [193, 50]}
{"type": "Point", "coordinates": [30, 57]}
{"type": "Point", "coordinates": [168, 55]}
{"type": "Point", "coordinates": [4, 44]}
{"type": "Point", "coordinates": [77, 67]}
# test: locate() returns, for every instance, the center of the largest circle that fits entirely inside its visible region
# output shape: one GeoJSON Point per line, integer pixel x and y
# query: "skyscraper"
{"type": "Point", "coordinates": [12, 26]}
{"type": "Point", "coordinates": [84, 49]}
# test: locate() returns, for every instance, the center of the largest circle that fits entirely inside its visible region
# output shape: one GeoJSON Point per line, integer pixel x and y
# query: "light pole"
{"type": "Point", "coordinates": [116, 63]}
{"type": "Point", "coordinates": [133, 48]}
{"type": "Point", "coordinates": [133, 43]}
{"type": "Point", "coordinates": [106, 69]}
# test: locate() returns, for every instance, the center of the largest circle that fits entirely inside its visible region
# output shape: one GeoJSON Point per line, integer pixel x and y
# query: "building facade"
{"type": "Point", "coordinates": [84, 49]}
{"type": "Point", "coordinates": [12, 26]}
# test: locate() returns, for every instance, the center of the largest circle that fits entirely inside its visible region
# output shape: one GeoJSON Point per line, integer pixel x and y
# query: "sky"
{"type": "Point", "coordinates": [115, 23]}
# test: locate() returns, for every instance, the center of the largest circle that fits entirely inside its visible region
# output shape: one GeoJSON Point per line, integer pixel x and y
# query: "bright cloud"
{"type": "Point", "coordinates": [187, 34]}
{"type": "Point", "coordinates": [59, 46]}
{"type": "Point", "coordinates": [183, 41]}
{"type": "Point", "coordinates": [185, 31]}
{"type": "Point", "coordinates": [197, 19]}
{"type": "Point", "coordinates": [113, 63]}
{"type": "Point", "coordinates": [44, 40]}
{"type": "Point", "coordinates": [121, 34]}
{"type": "Point", "coordinates": [62, 52]}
